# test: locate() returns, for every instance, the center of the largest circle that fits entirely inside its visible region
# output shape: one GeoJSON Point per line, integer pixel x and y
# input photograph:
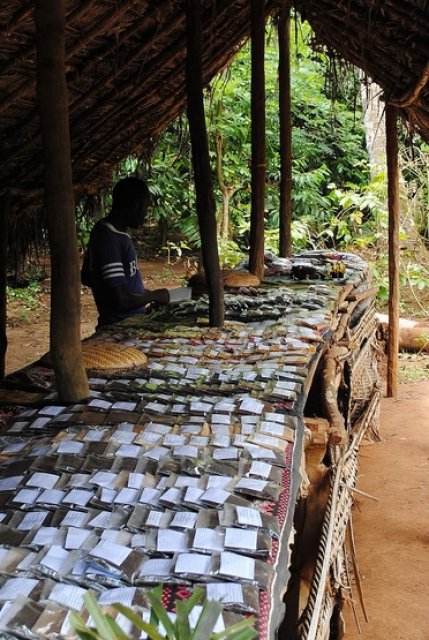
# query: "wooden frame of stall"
{"type": "Point", "coordinates": [342, 408]}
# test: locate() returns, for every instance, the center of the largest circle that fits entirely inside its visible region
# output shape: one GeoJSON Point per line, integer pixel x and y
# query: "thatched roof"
{"type": "Point", "coordinates": [388, 40]}
{"type": "Point", "coordinates": [125, 75]}
{"type": "Point", "coordinates": [126, 71]}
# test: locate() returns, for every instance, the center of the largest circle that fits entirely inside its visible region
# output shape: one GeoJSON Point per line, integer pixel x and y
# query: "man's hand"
{"type": "Point", "coordinates": [161, 296]}
{"type": "Point", "coordinates": [128, 301]}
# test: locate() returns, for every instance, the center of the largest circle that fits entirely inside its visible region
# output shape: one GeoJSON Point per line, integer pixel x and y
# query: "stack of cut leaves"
{"type": "Point", "coordinates": [103, 626]}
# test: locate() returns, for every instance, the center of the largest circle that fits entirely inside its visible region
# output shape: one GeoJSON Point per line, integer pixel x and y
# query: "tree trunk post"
{"type": "Point", "coordinates": [394, 214]}
{"type": "Point", "coordinates": [205, 203]}
{"type": "Point", "coordinates": [256, 251]}
{"type": "Point", "coordinates": [4, 211]}
{"type": "Point", "coordinates": [285, 119]}
{"type": "Point", "coordinates": [65, 343]}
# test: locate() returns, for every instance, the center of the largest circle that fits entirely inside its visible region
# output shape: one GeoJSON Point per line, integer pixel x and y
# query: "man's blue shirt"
{"type": "Point", "coordinates": [111, 261]}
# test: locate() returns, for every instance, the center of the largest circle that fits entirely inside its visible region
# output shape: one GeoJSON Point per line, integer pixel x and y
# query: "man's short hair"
{"type": "Point", "coordinates": [129, 191]}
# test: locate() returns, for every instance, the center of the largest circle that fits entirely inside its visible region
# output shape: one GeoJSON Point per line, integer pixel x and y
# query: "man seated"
{"type": "Point", "coordinates": [110, 265]}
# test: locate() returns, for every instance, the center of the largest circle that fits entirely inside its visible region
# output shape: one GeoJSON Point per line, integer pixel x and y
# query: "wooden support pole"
{"type": "Point", "coordinates": [65, 344]}
{"type": "Point", "coordinates": [4, 209]}
{"type": "Point", "coordinates": [205, 203]}
{"type": "Point", "coordinates": [256, 251]}
{"type": "Point", "coordinates": [285, 118]}
{"type": "Point", "coordinates": [394, 213]}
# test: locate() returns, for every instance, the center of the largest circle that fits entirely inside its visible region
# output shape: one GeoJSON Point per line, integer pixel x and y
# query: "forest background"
{"type": "Point", "coordinates": [339, 179]}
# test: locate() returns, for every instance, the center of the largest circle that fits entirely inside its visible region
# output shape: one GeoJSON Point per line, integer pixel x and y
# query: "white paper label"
{"type": "Point", "coordinates": [32, 520]}
{"type": "Point", "coordinates": [26, 496]}
{"type": "Point", "coordinates": [101, 520]}
{"type": "Point", "coordinates": [218, 482]}
{"type": "Point", "coordinates": [261, 469]}
{"type": "Point", "coordinates": [51, 496]}
{"type": "Point", "coordinates": [71, 446]}
{"type": "Point", "coordinates": [127, 496]}
{"type": "Point", "coordinates": [227, 592]}
{"type": "Point", "coordinates": [156, 567]}
{"type": "Point", "coordinates": [172, 541]}
{"type": "Point", "coordinates": [171, 496]}
{"type": "Point", "coordinates": [76, 537]}
{"type": "Point", "coordinates": [215, 496]}
{"type": "Point", "coordinates": [121, 595]}
{"type": "Point", "coordinates": [237, 566]}
{"type": "Point", "coordinates": [173, 439]}
{"type": "Point", "coordinates": [129, 451]}
{"type": "Point", "coordinates": [261, 453]}
{"type": "Point", "coordinates": [221, 440]}
{"type": "Point", "coordinates": [154, 518]}
{"type": "Point", "coordinates": [55, 558]}
{"type": "Point", "coordinates": [229, 453]}
{"type": "Point", "coordinates": [51, 410]}
{"type": "Point", "coordinates": [94, 435]}
{"type": "Point", "coordinates": [68, 596]}
{"type": "Point", "coordinates": [185, 451]}
{"type": "Point", "coordinates": [74, 519]}
{"type": "Point", "coordinates": [39, 423]}
{"type": "Point", "coordinates": [250, 405]}
{"type": "Point", "coordinates": [124, 437]}
{"type": "Point", "coordinates": [15, 587]}
{"type": "Point", "coordinates": [192, 563]}
{"type": "Point", "coordinates": [184, 519]}
{"type": "Point", "coordinates": [115, 554]}
{"type": "Point", "coordinates": [156, 453]}
{"type": "Point", "coordinates": [100, 404]}
{"type": "Point", "coordinates": [193, 495]}
{"type": "Point", "coordinates": [207, 540]}
{"type": "Point", "coordinates": [151, 437]}
{"type": "Point", "coordinates": [104, 479]}
{"type": "Point", "coordinates": [247, 516]}
{"type": "Point", "coordinates": [150, 496]}
{"type": "Point", "coordinates": [124, 406]}
{"type": "Point", "coordinates": [241, 539]}
{"type": "Point", "coordinates": [79, 497]}
{"type": "Point", "coordinates": [251, 484]}
{"type": "Point", "coordinates": [186, 481]}
{"type": "Point", "coordinates": [45, 535]}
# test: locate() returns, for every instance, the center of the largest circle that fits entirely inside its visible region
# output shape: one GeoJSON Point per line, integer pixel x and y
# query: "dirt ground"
{"type": "Point", "coordinates": [391, 532]}
{"type": "Point", "coordinates": [28, 319]}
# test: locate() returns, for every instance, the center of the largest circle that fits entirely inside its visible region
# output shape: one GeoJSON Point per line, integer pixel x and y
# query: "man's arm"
{"type": "Point", "coordinates": [128, 301]}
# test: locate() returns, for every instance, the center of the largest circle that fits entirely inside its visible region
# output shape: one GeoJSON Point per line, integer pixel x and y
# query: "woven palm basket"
{"type": "Point", "coordinates": [232, 279]}
{"type": "Point", "coordinates": [107, 356]}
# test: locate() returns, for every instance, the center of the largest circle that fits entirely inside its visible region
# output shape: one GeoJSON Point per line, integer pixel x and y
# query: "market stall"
{"type": "Point", "coordinates": [185, 465]}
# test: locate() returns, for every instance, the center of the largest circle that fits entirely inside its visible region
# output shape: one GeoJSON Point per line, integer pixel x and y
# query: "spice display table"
{"type": "Point", "coordinates": [186, 468]}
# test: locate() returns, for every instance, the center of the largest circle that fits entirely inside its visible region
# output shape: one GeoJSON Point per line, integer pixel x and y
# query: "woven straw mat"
{"type": "Point", "coordinates": [108, 356]}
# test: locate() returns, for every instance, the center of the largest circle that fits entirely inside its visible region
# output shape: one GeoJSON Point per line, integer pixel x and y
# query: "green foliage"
{"type": "Point", "coordinates": [328, 148]}
{"type": "Point", "coordinates": [175, 250]}
{"type": "Point", "coordinates": [161, 625]}
{"type": "Point", "coordinates": [415, 169]}
{"type": "Point", "coordinates": [26, 295]}
{"type": "Point", "coordinates": [22, 301]}
{"type": "Point", "coordinates": [229, 253]}
{"type": "Point", "coordinates": [415, 276]}
{"type": "Point", "coordinates": [170, 177]}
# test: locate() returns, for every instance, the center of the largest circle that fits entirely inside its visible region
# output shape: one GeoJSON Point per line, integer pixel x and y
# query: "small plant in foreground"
{"type": "Point", "coordinates": [161, 625]}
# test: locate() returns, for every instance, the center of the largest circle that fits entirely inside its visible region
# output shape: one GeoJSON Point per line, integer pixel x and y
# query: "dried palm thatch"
{"type": "Point", "coordinates": [125, 75]}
